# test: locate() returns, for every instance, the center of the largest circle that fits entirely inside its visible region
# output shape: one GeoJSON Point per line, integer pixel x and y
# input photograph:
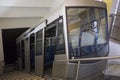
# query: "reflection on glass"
{"type": "Point", "coordinates": [87, 29]}
{"type": "Point", "coordinates": [39, 42]}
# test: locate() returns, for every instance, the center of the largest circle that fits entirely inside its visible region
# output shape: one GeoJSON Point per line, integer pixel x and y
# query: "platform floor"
{"type": "Point", "coordinates": [114, 70]}
{"type": "Point", "coordinates": [112, 78]}
{"type": "Point", "coordinates": [16, 75]}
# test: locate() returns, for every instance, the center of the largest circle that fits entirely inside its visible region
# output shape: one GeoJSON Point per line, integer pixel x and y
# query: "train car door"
{"type": "Point", "coordinates": [50, 42]}
{"type": "Point", "coordinates": [27, 56]}
{"type": "Point", "coordinates": [19, 65]}
{"type": "Point", "coordinates": [32, 53]}
{"type": "Point", "coordinates": [54, 45]}
{"type": "Point", "coordinates": [22, 52]}
{"type": "Point", "coordinates": [39, 55]}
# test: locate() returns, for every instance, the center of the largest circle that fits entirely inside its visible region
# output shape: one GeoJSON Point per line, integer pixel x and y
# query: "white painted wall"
{"type": "Point", "coordinates": [55, 4]}
{"type": "Point", "coordinates": [26, 3]}
{"type": "Point", "coordinates": [6, 23]}
{"type": "Point", "coordinates": [24, 8]}
{"type": "Point", "coordinates": [6, 12]}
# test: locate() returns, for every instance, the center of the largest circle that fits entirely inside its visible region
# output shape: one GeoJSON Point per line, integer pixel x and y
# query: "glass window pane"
{"type": "Point", "coordinates": [60, 46]}
{"type": "Point", "coordinates": [87, 29]}
{"type": "Point", "coordinates": [39, 42]}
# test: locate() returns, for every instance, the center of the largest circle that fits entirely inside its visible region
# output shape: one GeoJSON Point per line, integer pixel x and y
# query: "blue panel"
{"type": "Point", "coordinates": [49, 55]}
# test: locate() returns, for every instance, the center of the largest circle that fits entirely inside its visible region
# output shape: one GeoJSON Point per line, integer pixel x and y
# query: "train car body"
{"type": "Point", "coordinates": [79, 29]}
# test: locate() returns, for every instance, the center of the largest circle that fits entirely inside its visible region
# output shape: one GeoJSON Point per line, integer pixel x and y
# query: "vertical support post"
{"type": "Point", "coordinates": [77, 72]}
{"type": "Point", "coordinates": [111, 24]}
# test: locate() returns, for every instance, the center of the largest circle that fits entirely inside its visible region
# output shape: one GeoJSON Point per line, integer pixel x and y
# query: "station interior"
{"type": "Point", "coordinates": [19, 16]}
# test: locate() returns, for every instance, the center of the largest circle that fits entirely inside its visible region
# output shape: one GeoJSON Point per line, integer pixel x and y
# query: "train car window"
{"type": "Point", "coordinates": [50, 45]}
{"type": "Point", "coordinates": [32, 52]}
{"type": "Point", "coordinates": [54, 41]}
{"type": "Point", "coordinates": [27, 46]}
{"type": "Point", "coordinates": [54, 37]}
{"type": "Point", "coordinates": [39, 42]}
{"type": "Point", "coordinates": [50, 36]}
{"type": "Point", "coordinates": [87, 29]}
{"type": "Point", "coordinates": [32, 44]}
{"type": "Point", "coordinates": [22, 47]}
{"type": "Point", "coordinates": [60, 44]}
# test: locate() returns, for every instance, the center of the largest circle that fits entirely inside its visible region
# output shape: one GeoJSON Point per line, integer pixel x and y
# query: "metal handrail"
{"type": "Point", "coordinates": [85, 59]}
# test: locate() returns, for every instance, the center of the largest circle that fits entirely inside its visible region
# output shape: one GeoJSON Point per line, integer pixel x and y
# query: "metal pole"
{"type": "Point", "coordinates": [111, 24]}
{"type": "Point", "coordinates": [94, 58]}
{"type": "Point", "coordinates": [77, 72]}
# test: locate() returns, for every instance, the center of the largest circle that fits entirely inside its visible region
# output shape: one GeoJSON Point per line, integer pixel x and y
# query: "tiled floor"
{"type": "Point", "coordinates": [16, 75]}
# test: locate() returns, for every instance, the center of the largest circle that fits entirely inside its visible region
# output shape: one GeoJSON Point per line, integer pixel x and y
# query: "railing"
{"type": "Point", "coordinates": [85, 59]}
